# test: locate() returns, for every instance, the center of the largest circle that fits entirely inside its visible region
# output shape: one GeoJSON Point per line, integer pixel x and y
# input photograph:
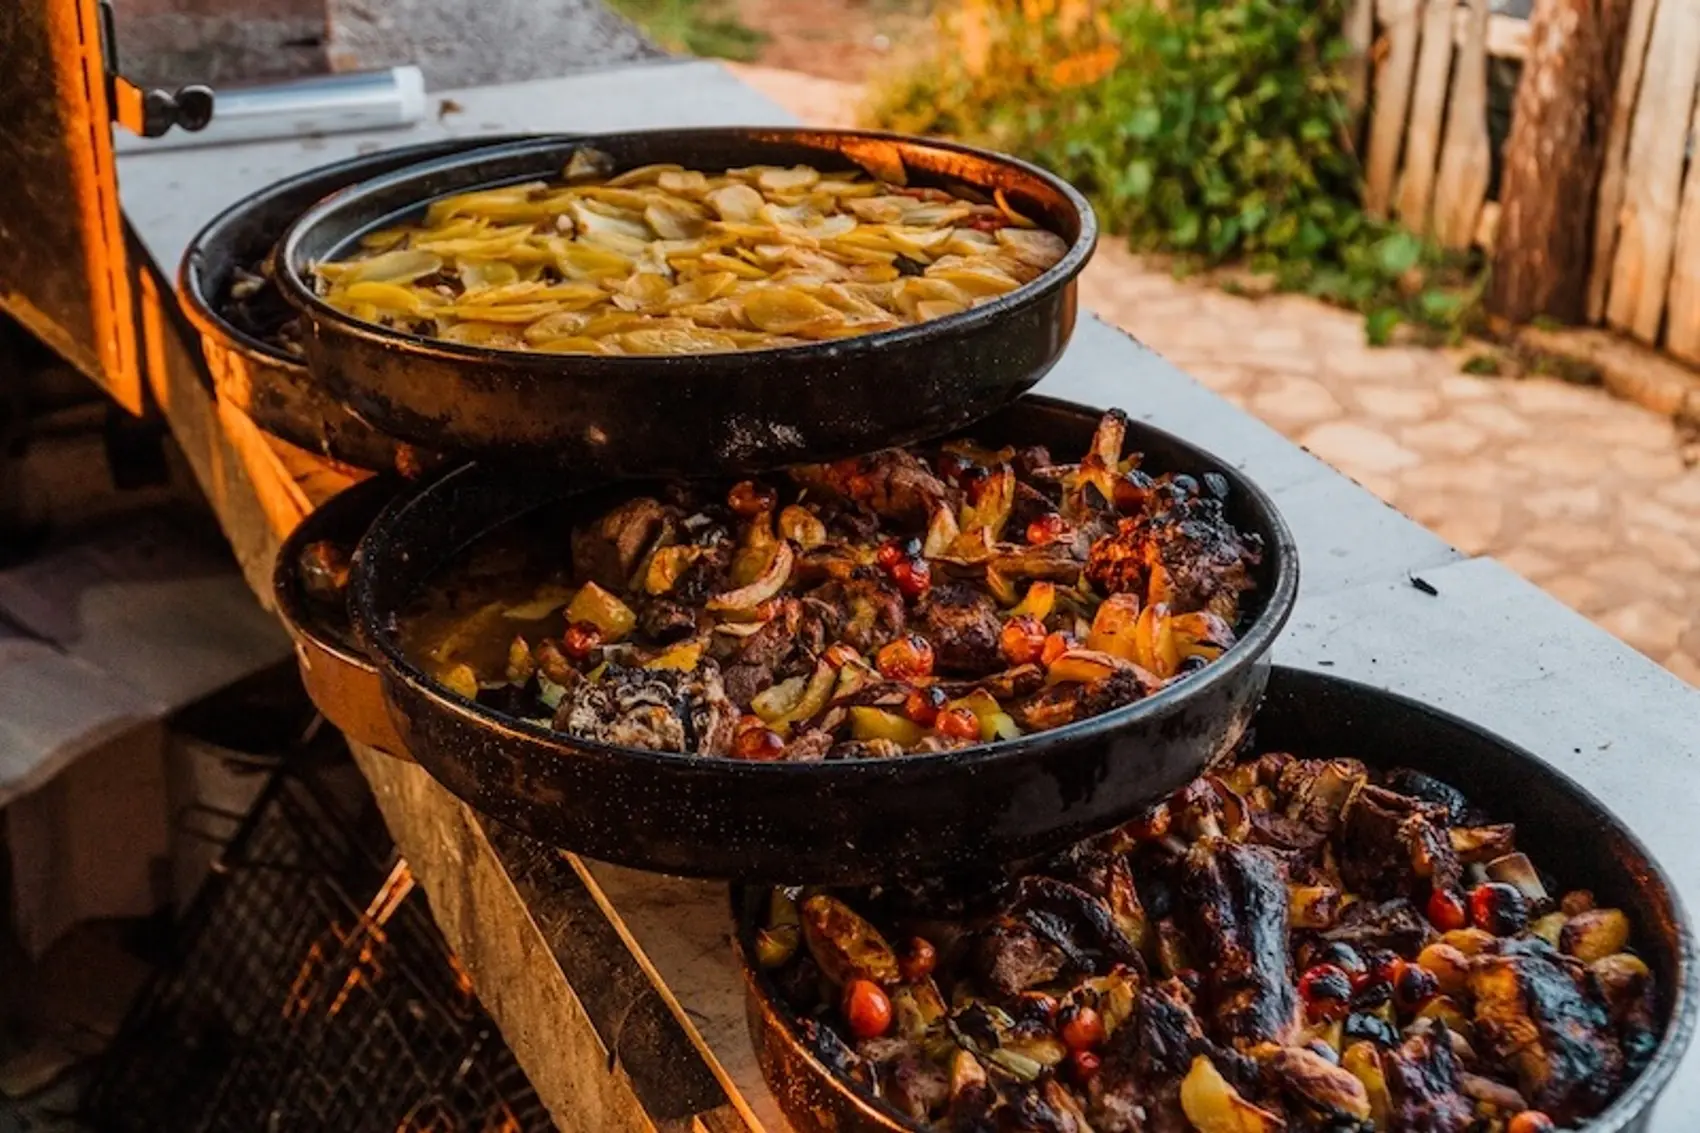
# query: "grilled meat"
{"type": "Point", "coordinates": [661, 710]}
{"type": "Point", "coordinates": [1394, 845]}
{"type": "Point", "coordinates": [893, 484]}
{"type": "Point", "coordinates": [1009, 956]}
{"type": "Point", "coordinates": [1423, 1084]}
{"type": "Point", "coordinates": [608, 551]}
{"type": "Point", "coordinates": [1393, 926]}
{"type": "Point", "coordinates": [1233, 906]}
{"type": "Point", "coordinates": [1187, 556]}
{"type": "Point", "coordinates": [1532, 1011]}
{"type": "Point", "coordinates": [964, 627]}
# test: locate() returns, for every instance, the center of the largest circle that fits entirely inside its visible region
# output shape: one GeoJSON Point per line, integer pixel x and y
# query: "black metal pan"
{"type": "Point", "coordinates": [692, 414]}
{"type": "Point", "coordinates": [836, 821]}
{"type": "Point", "coordinates": [258, 376]}
{"type": "Point", "coordinates": [1560, 825]}
{"type": "Point", "coordinates": [339, 677]}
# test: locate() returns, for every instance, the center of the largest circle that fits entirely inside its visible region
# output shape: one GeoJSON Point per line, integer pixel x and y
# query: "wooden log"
{"type": "Point", "coordinates": [1466, 161]}
{"type": "Point", "coordinates": [1608, 211]}
{"type": "Point", "coordinates": [1359, 32]}
{"type": "Point", "coordinates": [1428, 110]}
{"type": "Point", "coordinates": [1657, 151]}
{"type": "Point", "coordinates": [1392, 101]}
{"type": "Point", "coordinates": [1553, 159]}
{"type": "Point", "coordinates": [1682, 310]}
{"type": "Point", "coordinates": [1507, 36]}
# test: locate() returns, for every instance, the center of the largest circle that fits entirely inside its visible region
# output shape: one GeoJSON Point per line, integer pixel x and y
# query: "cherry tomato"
{"type": "Point", "coordinates": [1082, 1028]}
{"type": "Point", "coordinates": [580, 639]}
{"type": "Point", "coordinates": [1023, 639]}
{"type": "Point", "coordinates": [913, 576]}
{"type": "Point", "coordinates": [839, 654]}
{"type": "Point", "coordinates": [1414, 986]}
{"type": "Point", "coordinates": [958, 724]}
{"type": "Point", "coordinates": [1499, 908]}
{"type": "Point", "coordinates": [1048, 529]}
{"type": "Point", "coordinates": [761, 744]}
{"type": "Point", "coordinates": [1446, 910]}
{"type": "Point", "coordinates": [906, 658]}
{"type": "Point", "coordinates": [1530, 1121]}
{"type": "Point", "coordinates": [891, 553]}
{"type": "Point", "coordinates": [1055, 646]}
{"type": "Point", "coordinates": [922, 705]}
{"type": "Point", "coordinates": [1083, 1066]}
{"type": "Point", "coordinates": [918, 960]}
{"type": "Point", "coordinates": [867, 1009]}
{"type": "Point", "coordinates": [1327, 993]}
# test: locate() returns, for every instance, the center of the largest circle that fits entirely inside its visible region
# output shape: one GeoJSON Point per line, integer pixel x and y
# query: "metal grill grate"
{"type": "Point", "coordinates": [312, 992]}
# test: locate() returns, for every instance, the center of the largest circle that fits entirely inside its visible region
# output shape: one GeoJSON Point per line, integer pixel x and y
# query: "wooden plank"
{"type": "Point", "coordinates": [1467, 159]}
{"type": "Point", "coordinates": [1610, 207]}
{"type": "Point", "coordinates": [1428, 109]}
{"type": "Point", "coordinates": [1392, 100]}
{"type": "Point", "coordinates": [1658, 140]}
{"type": "Point", "coordinates": [1507, 36]}
{"type": "Point", "coordinates": [601, 1044]}
{"type": "Point", "coordinates": [1359, 32]}
{"type": "Point", "coordinates": [1682, 310]}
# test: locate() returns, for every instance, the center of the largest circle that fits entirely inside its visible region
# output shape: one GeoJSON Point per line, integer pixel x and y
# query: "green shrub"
{"type": "Point", "coordinates": [1221, 134]}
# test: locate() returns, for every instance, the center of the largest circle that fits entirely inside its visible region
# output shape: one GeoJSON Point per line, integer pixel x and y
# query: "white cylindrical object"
{"type": "Point", "coordinates": [329, 104]}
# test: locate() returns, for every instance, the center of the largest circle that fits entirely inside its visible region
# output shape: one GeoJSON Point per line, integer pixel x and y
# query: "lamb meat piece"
{"type": "Point", "coordinates": [873, 610]}
{"type": "Point", "coordinates": [708, 575]}
{"type": "Point", "coordinates": [809, 747]}
{"type": "Point", "coordinates": [1163, 1037]}
{"type": "Point", "coordinates": [1043, 1107]}
{"type": "Point", "coordinates": [1233, 908]}
{"type": "Point", "coordinates": [1393, 845]}
{"type": "Point", "coordinates": [1423, 1084]}
{"type": "Point", "coordinates": [820, 624]}
{"type": "Point", "coordinates": [655, 709]}
{"type": "Point", "coordinates": [773, 642]}
{"type": "Point", "coordinates": [1533, 1015]}
{"type": "Point", "coordinates": [607, 550]}
{"type": "Point", "coordinates": [1028, 459]}
{"type": "Point", "coordinates": [1433, 791]}
{"type": "Point", "coordinates": [893, 483]}
{"type": "Point", "coordinates": [1008, 957]}
{"type": "Point", "coordinates": [963, 625]}
{"type": "Point", "coordinates": [1188, 556]}
{"type": "Point", "coordinates": [742, 682]}
{"type": "Point", "coordinates": [1066, 703]}
{"type": "Point", "coordinates": [1395, 926]}
{"type": "Point", "coordinates": [664, 621]}
{"type": "Point", "coordinates": [917, 1086]}
{"type": "Point", "coordinates": [1082, 927]}
{"type": "Point", "coordinates": [1030, 504]}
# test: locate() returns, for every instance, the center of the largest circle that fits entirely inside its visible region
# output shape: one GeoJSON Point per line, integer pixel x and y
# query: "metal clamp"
{"type": "Point", "coordinates": [149, 113]}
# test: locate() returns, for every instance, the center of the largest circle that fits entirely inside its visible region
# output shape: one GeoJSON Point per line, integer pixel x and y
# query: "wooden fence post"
{"type": "Point", "coordinates": [1553, 159]}
{"type": "Point", "coordinates": [1610, 204]}
{"type": "Point", "coordinates": [1392, 100]}
{"type": "Point", "coordinates": [1467, 159]}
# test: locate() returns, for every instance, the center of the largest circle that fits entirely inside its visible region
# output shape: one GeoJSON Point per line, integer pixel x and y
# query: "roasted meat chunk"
{"type": "Point", "coordinates": [608, 550]}
{"type": "Point", "coordinates": [1233, 905]}
{"type": "Point", "coordinates": [894, 484]}
{"type": "Point", "coordinates": [1423, 1085]}
{"type": "Point", "coordinates": [1187, 556]}
{"type": "Point", "coordinates": [1009, 957]}
{"type": "Point", "coordinates": [661, 710]}
{"type": "Point", "coordinates": [1395, 845]}
{"type": "Point", "coordinates": [1532, 1011]}
{"type": "Point", "coordinates": [964, 627]}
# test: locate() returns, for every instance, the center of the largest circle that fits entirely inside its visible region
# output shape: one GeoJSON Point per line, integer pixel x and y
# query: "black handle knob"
{"type": "Point", "coordinates": [194, 107]}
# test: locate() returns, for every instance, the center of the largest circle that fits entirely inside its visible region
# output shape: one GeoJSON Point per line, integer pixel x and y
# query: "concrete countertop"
{"type": "Point", "coordinates": [1489, 646]}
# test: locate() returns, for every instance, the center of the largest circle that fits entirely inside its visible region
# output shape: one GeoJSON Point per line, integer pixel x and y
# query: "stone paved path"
{"type": "Point", "coordinates": [1583, 494]}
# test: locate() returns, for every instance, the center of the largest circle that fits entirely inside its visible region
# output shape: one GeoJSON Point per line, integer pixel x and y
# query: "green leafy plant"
{"type": "Point", "coordinates": [1219, 134]}
{"type": "Point", "coordinates": [695, 27]}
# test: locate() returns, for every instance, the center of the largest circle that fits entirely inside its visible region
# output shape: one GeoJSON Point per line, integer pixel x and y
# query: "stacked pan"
{"type": "Point", "coordinates": [968, 690]}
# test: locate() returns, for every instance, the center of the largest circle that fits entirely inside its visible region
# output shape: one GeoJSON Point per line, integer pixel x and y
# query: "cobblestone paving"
{"type": "Point", "coordinates": [1585, 495]}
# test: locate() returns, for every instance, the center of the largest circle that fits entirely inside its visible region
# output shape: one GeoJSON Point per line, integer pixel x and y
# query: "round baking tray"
{"type": "Point", "coordinates": [339, 677]}
{"type": "Point", "coordinates": [1559, 825]}
{"type": "Point", "coordinates": [266, 382]}
{"type": "Point", "coordinates": [834, 821]}
{"type": "Point", "coordinates": [699, 414]}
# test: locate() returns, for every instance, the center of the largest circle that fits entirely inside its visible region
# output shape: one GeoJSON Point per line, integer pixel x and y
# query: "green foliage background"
{"type": "Point", "coordinates": [1221, 134]}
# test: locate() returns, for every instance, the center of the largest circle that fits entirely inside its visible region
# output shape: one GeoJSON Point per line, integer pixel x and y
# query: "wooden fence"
{"type": "Point", "coordinates": [1424, 71]}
